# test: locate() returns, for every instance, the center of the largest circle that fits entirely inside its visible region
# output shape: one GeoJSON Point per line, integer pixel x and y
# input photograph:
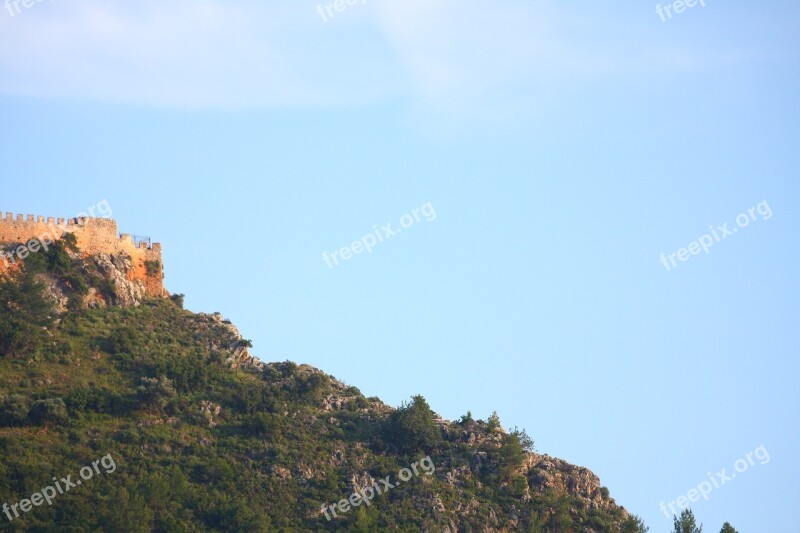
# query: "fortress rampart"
{"type": "Point", "coordinates": [94, 236]}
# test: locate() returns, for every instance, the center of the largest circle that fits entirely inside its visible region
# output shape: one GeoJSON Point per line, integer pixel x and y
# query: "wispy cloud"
{"type": "Point", "coordinates": [447, 55]}
{"type": "Point", "coordinates": [199, 53]}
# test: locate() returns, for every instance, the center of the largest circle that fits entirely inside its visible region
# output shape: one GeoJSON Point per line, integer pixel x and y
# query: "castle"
{"type": "Point", "coordinates": [94, 236]}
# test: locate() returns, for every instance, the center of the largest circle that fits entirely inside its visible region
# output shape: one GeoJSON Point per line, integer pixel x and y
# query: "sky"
{"type": "Point", "coordinates": [498, 183]}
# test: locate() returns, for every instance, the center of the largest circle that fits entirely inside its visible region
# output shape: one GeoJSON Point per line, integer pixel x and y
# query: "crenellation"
{"type": "Point", "coordinates": [94, 236]}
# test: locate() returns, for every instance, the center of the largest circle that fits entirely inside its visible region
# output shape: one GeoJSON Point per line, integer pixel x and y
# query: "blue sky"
{"type": "Point", "coordinates": [563, 146]}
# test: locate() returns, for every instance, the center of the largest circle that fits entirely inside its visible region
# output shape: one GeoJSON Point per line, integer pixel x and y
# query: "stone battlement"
{"type": "Point", "coordinates": [94, 236]}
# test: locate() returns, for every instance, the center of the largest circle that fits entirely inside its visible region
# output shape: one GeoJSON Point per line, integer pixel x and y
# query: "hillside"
{"type": "Point", "coordinates": [181, 429]}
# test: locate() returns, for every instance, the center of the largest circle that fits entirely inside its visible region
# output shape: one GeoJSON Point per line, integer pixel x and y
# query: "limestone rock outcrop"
{"type": "Point", "coordinates": [118, 271]}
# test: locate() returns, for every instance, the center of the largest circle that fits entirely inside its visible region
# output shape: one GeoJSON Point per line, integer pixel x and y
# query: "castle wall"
{"type": "Point", "coordinates": [94, 236]}
{"type": "Point", "coordinates": [19, 228]}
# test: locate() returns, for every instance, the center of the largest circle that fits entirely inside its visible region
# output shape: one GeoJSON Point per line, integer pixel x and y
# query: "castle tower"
{"type": "Point", "coordinates": [94, 236]}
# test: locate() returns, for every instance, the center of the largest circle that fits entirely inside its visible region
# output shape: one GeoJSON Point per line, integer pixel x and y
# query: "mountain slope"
{"type": "Point", "coordinates": [203, 437]}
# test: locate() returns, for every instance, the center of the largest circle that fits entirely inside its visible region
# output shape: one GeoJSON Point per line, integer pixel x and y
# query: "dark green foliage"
{"type": "Point", "coordinates": [155, 393]}
{"type": "Point", "coordinates": [727, 528]}
{"type": "Point", "coordinates": [361, 402]}
{"type": "Point", "coordinates": [186, 373]}
{"type": "Point", "coordinates": [48, 412]}
{"type": "Point", "coordinates": [412, 428]}
{"type": "Point", "coordinates": [494, 422]}
{"type": "Point", "coordinates": [153, 268]}
{"type": "Point", "coordinates": [313, 386]}
{"type": "Point", "coordinates": [14, 409]}
{"type": "Point", "coordinates": [178, 299]}
{"type": "Point", "coordinates": [69, 242]}
{"type": "Point", "coordinates": [24, 312]}
{"type": "Point", "coordinates": [122, 341]}
{"type": "Point", "coordinates": [59, 262]}
{"type": "Point", "coordinates": [512, 452]}
{"type": "Point", "coordinates": [525, 441]}
{"type": "Point", "coordinates": [24, 309]}
{"type": "Point", "coordinates": [124, 511]}
{"type": "Point", "coordinates": [62, 266]}
{"type": "Point", "coordinates": [686, 523]}
{"type": "Point", "coordinates": [561, 518]}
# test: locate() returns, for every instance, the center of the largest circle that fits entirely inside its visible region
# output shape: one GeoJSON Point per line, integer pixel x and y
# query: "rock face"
{"type": "Point", "coordinates": [210, 410]}
{"type": "Point", "coordinates": [113, 283]}
{"type": "Point", "coordinates": [54, 289]}
{"type": "Point", "coordinates": [545, 472]}
{"type": "Point", "coordinates": [231, 341]}
{"type": "Point", "coordinates": [118, 270]}
{"type": "Point", "coordinates": [547, 478]}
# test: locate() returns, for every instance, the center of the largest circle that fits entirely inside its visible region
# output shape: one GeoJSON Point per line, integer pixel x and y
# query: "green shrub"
{"type": "Point", "coordinates": [466, 420]}
{"type": "Point", "coordinates": [493, 423]}
{"type": "Point", "coordinates": [178, 299]}
{"type": "Point", "coordinates": [14, 409]}
{"type": "Point", "coordinates": [24, 312]}
{"type": "Point", "coordinates": [69, 242]}
{"type": "Point", "coordinates": [412, 427]}
{"type": "Point", "coordinates": [122, 340]}
{"type": "Point", "coordinates": [47, 412]}
{"type": "Point", "coordinates": [155, 393]}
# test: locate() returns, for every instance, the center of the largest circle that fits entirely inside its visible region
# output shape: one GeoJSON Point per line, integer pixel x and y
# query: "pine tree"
{"type": "Point", "coordinates": [727, 528]}
{"type": "Point", "coordinates": [686, 523]}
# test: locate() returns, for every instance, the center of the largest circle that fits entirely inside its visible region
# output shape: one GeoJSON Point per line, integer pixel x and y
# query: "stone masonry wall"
{"type": "Point", "coordinates": [95, 236]}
